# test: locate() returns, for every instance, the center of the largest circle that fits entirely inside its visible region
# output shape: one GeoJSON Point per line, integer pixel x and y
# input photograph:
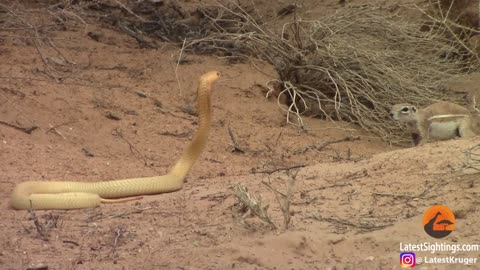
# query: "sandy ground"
{"type": "Point", "coordinates": [352, 205]}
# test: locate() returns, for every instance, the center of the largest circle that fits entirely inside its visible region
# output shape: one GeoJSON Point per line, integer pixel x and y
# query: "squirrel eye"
{"type": "Point", "coordinates": [404, 109]}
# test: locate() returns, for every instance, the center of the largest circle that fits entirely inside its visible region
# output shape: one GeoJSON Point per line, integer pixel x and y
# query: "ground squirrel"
{"type": "Point", "coordinates": [440, 121]}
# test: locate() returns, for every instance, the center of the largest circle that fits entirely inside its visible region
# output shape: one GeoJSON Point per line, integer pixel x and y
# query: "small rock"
{"type": "Point", "coordinates": [40, 266]}
{"type": "Point", "coordinates": [336, 241]}
{"type": "Point", "coordinates": [140, 94]}
{"type": "Point", "coordinates": [369, 258]}
{"type": "Point", "coordinates": [87, 152]}
{"type": "Point", "coordinates": [95, 35]}
{"type": "Point", "coordinates": [157, 103]}
{"type": "Point", "coordinates": [112, 116]}
{"type": "Point", "coordinates": [57, 60]}
{"type": "Point", "coordinates": [131, 112]}
{"type": "Point", "coordinates": [189, 109]}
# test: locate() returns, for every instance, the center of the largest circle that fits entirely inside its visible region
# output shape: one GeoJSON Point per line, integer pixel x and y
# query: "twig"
{"type": "Point", "coordinates": [59, 125]}
{"type": "Point", "coordinates": [71, 242]}
{"type": "Point", "coordinates": [327, 143]}
{"type": "Point", "coordinates": [100, 216]}
{"type": "Point", "coordinates": [355, 175]}
{"type": "Point", "coordinates": [52, 128]}
{"type": "Point", "coordinates": [236, 147]}
{"type": "Point", "coordinates": [59, 52]}
{"type": "Point", "coordinates": [140, 39]}
{"type": "Point", "coordinates": [284, 200]}
{"type": "Point", "coordinates": [118, 234]}
{"type": "Point", "coordinates": [178, 64]}
{"type": "Point", "coordinates": [13, 92]}
{"type": "Point", "coordinates": [44, 60]}
{"type": "Point", "coordinates": [63, 82]}
{"type": "Point", "coordinates": [328, 187]}
{"type": "Point", "coordinates": [130, 11]}
{"type": "Point", "coordinates": [179, 135]}
{"type": "Point", "coordinates": [28, 130]}
{"type": "Point", "coordinates": [278, 137]}
{"type": "Point", "coordinates": [368, 227]}
{"type": "Point", "coordinates": [135, 211]}
{"type": "Point", "coordinates": [405, 196]}
{"type": "Point", "coordinates": [133, 149]}
{"type": "Point", "coordinates": [278, 169]}
{"type": "Point", "coordinates": [40, 229]}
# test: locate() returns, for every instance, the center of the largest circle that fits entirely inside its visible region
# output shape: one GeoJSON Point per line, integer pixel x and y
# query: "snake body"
{"type": "Point", "coordinates": [77, 195]}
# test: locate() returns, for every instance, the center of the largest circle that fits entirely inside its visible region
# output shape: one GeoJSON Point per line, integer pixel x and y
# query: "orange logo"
{"type": "Point", "coordinates": [438, 221]}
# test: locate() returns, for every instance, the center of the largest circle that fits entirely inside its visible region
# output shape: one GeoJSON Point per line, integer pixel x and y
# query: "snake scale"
{"type": "Point", "coordinates": [77, 195]}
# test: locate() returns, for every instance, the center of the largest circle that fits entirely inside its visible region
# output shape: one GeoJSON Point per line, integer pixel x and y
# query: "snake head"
{"type": "Point", "coordinates": [210, 77]}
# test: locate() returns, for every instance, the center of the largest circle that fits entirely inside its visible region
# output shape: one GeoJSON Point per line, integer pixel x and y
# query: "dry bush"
{"type": "Point", "coordinates": [460, 19]}
{"type": "Point", "coordinates": [167, 21]}
{"type": "Point", "coordinates": [463, 15]}
{"type": "Point", "coordinates": [354, 64]}
{"type": "Point", "coordinates": [284, 199]}
{"type": "Point", "coordinates": [34, 24]}
{"type": "Point", "coordinates": [251, 204]}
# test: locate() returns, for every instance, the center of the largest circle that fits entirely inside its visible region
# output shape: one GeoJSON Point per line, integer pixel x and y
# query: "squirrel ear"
{"type": "Point", "coordinates": [414, 109]}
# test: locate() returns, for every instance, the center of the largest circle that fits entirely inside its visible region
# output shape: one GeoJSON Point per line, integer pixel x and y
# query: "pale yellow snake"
{"type": "Point", "coordinates": [74, 195]}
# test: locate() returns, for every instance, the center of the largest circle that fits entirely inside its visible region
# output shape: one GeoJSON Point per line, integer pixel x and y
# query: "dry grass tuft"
{"type": "Point", "coordinates": [251, 204]}
{"type": "Point", "coordinates": [472, 158]}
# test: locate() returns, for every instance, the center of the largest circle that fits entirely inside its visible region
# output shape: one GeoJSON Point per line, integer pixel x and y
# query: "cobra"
{"type": "Point", "coordinates": [77, 195]}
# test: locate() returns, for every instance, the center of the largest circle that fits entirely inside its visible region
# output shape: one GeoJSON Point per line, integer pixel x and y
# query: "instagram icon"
{"type": "Point", "coordinates": [407, 260]}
